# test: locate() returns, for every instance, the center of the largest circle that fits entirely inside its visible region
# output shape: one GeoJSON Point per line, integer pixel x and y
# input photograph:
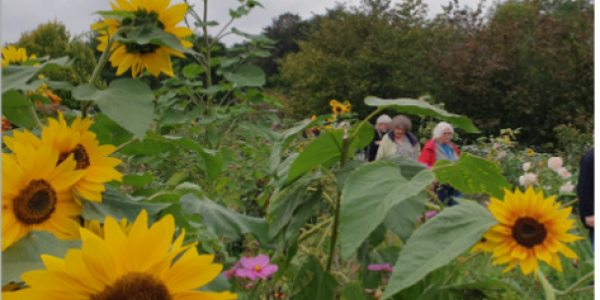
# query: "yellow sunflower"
{"type": "Point", "coordinates": [14, 55]}
{"type": "Point", "coordinates": [328, 127]}
{"type": "Point", "coordinates": [333, 102]}
{"type": "Point", "coordinates": [77, 140]}
{"type": "Point", "coordinates": [95, 227]}
{"type": "Point", "coordinates": [139, 266]}
{"type": "Point", "coordinates": [482, 245]}
{"type": "Point", "coordinates": [530, 228]}
{"type": "Point", "coordinates": [155, 58]}
{"type": "Point", "coordinates": [338, 109]}
{"type": "Point", "coordinates": [347, 106]}
{"type": "Point", "coordinates": [530, 152]}
{"type": "Point", "coordinates": [36, 194]}
{"type": "Point", "coordinates": [314, 118]}
{"type": "Point", "coordinates": [53, 97]}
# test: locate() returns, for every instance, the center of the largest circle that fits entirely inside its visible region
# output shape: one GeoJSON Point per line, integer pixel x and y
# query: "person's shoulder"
{"type": "Point", "coordinates": [430, 144]}
{"type": "Point", "coordinates": [588, 157]}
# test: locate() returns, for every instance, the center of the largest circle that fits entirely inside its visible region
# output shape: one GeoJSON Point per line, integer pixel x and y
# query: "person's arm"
{"type": "Point", "coordinates": [585, 189]}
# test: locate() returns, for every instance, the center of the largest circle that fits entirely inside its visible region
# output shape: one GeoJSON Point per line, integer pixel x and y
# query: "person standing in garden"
{"type": "Point", "coordinates": [585, 192]}
{"type": "Point", "coordinates": [382, 126]}
{"type": "Point", "coordinates": [399, 140]}
{"type": "Point", "coordinates": [440, 147]}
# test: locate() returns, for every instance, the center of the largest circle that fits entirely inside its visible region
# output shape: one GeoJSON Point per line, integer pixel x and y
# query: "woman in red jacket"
{"type": "Point", "coordinates": [441, 148]}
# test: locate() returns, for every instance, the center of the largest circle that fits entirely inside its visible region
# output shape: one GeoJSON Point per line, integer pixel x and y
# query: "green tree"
{"type": "Point", "coordinates": [373, 49]}
{"type": "Point", "coordinates": [54, 40]}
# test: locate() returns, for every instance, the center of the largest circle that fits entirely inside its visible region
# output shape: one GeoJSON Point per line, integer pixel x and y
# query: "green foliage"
{"type": "Point", "coordinates": [471, 174]}
{"type": "Point", "coordinates": [24, 255]}
{"type": "Point", "coordinates": [313, 283]}
{"type": "Point", "coordinates": [126, 101]}
{"type": "Point", "coordinates": [54, 40]}
{"type": "Point", "coordinates": [369, 194]}
{"type": "Point", "coordinates": [438, 242]}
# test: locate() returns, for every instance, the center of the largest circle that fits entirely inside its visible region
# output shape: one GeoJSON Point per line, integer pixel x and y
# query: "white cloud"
{"type": "Point", "coordinates": [24, 15]}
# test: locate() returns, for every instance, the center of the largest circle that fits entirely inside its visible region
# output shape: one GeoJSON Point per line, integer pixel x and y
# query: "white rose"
{"type": "Point", "coordinates": [555, 163]}
{"type": "Point", "coordinates": [567, 188]}
{"type": "Point", "coordinates": [526, 166]}
{"type": "Point", "coordinates": [496, 146]}
{"type": "Point", "coordinates": [528, 179]}
{"type": "Point", "coordinates": [563, 173]}
{"type": "Point", "coordinates": [501, 154]}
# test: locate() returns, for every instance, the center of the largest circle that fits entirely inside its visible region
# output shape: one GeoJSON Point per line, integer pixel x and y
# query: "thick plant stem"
{"type": "Point", "coordinates": [336, 217]}
{"type": "Point", "coordinates": [435, 198]}
{"type": "Point", "coordinates": [208, 67]}
{"type": "Point", "coordinates": [35, 117]}
{"type": "Point", "coordinates": [103, 60]}
{"type": "Point", "coordinates": [314, 230]}
{"type": "Point", "coordinates": [573, 288]}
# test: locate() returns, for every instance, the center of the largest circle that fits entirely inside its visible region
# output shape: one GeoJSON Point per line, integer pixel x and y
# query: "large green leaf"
{"type": "Point", "coordinates": [247, 75]}
{"type": "Point", "coordinates": [408, 167]}
{"type": "Point", "coordinates": [438, 242]}
{"type": "Point", "coordinates": [347, 171]}
{"type": "Point", "coordinates": [138, 181]}
{"type": "Point", "coordinates": [421, 108]}
{"type": "Point", "coordinates": [283, 204]}
{"type": "Point", "coordinates": [213, 163]}
{"type": "Point", "coordinates": [313, 283]}
{"type": "Point", "coordinates": [119, 206]}
{"type": "Point", "coordinates": [127, 101]}
{"type": "Point", "coordinates": [16, 77]}
{"type": "Point", "coordinates": [301, 215]}
{"type": "Point", "coordinates": [16, 108]}
{"type": "Point", "coordinates": [353, 291]}
{"type": "Point", "coordinates": [368, 196]}
{"type": "Point", "coordinates": [287, 138]}
{"type": "Point", "coordinates": [402, 218]}
{"type": "Point", "coordinates": [223, 221]}
{"type": "Point", "coordinates": [24, 255]}
{"type": "Point", "coordinates": [109, 132]}
{"type": "Point", "coordinates": [320, 150]}
{"type": "Point", "coordinates": [471, 174]}
{"type": "Point", "coordinates": [148, 34]}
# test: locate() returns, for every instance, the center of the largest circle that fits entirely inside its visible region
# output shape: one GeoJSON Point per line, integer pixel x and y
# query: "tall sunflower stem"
{"type": "Point", "coordinates": [435, 198]}
{"type": "Point", "coordinates": [336, 217]}
{"type": "Point", "coordinates": [103, 60]}
{"type": "Point", "coordinates": [35, 117]}
{"type": "Point", "coordinates": [573, 288]}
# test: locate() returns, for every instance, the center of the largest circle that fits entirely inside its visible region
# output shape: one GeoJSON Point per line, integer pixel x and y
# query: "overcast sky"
{"type": "Point", "coordinates": [23, 15]}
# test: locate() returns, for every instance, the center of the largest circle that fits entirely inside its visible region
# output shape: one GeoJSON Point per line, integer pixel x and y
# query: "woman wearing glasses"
{"type": "Point", "coordinates": [441, 148]}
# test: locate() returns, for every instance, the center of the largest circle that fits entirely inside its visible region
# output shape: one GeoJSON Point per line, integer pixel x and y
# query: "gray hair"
{"type": "Point", "coordinates": [383, 119]}
{"type": "Point", "coordinates": [438, 131]}
{"type": "Point", "coordinates": [401, 120]}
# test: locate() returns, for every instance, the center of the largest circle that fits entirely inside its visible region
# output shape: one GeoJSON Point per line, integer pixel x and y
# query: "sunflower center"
{"type": "Point", "coordinates": [79, 154]}
{"type": "Point", "coordinates": [35, 203]}
{"type": "Point", "coordinates": [143, 17]}
{"type": "Point", "coordinates": [135, 286]}
{"type": "Point", "coordinates": [529, 232]}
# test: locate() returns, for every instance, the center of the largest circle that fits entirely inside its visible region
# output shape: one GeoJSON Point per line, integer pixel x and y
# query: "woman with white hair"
{"type": "Point", "coordinates": [382, 126]}
{"type": "Point", "coordinates": [440, 147]}
{"type": "Point", "coordinates": [399, 140]}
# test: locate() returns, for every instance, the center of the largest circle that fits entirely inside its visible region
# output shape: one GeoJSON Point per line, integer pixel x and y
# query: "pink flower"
{"type": "Point", "coordinates": [555, 163]}
{"type": "Point", "coordinates": [380, 268]}
{"type": "Point", "coordinates": [429, 214]}
{"type": "Point", "coordinates": [563, 173]}
{"type": "Point", "coordinates": [233, 271]}
{"type": "Point", "coordinates": [256, 267]}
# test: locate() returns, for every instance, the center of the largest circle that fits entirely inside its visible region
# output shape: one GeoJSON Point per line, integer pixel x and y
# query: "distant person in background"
{"type": "Point", "coordinates": [399, 140]}
{"type": "Point", "coordinates": [440, 147]}
{"type": "Point", "coordinates": [585, 192]}
{"type": "Point", "coordinates": [382, 126]}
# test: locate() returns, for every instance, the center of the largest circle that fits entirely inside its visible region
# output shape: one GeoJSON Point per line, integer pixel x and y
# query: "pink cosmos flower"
{"type": "Point", "coordinates": [233, 271]}
{"type": "Point", "coordinates": [380, 268]}
{"type": "Point", "coordinates": [256, 267]}
{"type": "Point", "coordinates": [429, 214]}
